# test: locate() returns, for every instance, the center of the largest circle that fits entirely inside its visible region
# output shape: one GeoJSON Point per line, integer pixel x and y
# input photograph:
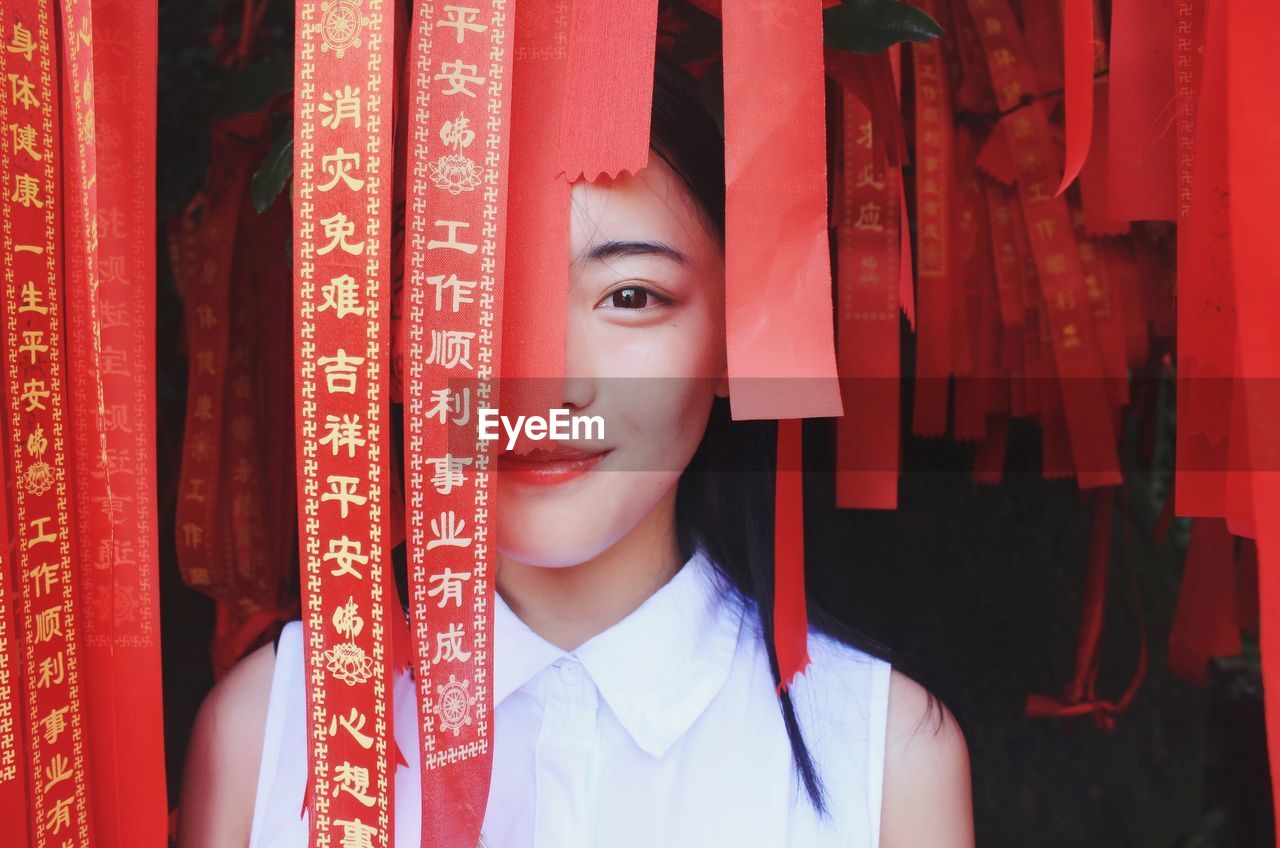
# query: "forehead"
{"type": "Point", "coordinates": [653, 204]}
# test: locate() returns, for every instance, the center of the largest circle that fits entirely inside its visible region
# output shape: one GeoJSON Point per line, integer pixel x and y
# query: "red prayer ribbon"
{"type": "Point", "coordinates": [934, 187]}
{"type": "Point", "coordinates": [778, 309]}
{"type": "Point", "coordinates": [119, 549]}
{"type": "Point", "coordinates": [456, 229]}
{"type": "Point", "coordinates": [57, 752]}
{"type": "Point", "coordinates": [537, 253]}
{"type": "Point", "coordinates": [343, 177]}
{"type": "Point", "coordinates": [1077, 36]}
{"type": "Point", "coordinates": [868, 283]}
{"type": "Point", "coordinates": [608, 89]}
{"type": "Point", "coordinates": [1253, 136]}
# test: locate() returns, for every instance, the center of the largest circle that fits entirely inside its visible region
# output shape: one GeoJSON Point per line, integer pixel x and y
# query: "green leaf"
{"type": "Point", "coordinates": [276, 170]}
{"type": "Point", "coordinates": [870, 26]}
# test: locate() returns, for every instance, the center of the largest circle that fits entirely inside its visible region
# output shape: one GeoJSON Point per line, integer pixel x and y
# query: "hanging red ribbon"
{"type": "Point", "coordinates": [1077, 361]}
{"type": "Point", "coordinates": [58, 744]}
{"type": "Point", "coordinates": [790, 616]}
{"type": "Point", "coordinates": [608, 89]}
{"type": "Point", "coordinates": [13, 758]}
{"type": "Point", "coordinates": [1253, 136]}
{"type": "Point", "coordinates": [454, 309]}
{"type": "Point", "coordinates": [1077, 36]}
{"type": "Point", "coordinates": [118, 543]}
{"type": "Point", "coordinates": [778, 309]}
{"type": "Point", "coordinates": [868, 282]}
{"type": "Point", "coordinates": [343, 175]}
{"type": "Point", "coordinates": [1205, 621]}
{"type": "Point", "coordinates": [1141, 143]}
{"type": "Point", "coordinates": [934, 187]}
{"type": "Point", "coordinates": [536, 293]}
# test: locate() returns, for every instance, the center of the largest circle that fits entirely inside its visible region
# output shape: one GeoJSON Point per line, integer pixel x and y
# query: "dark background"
{"type": "Point", "coordinates": [979, 585]}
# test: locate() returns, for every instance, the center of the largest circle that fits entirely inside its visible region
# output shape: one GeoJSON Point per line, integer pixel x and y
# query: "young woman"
{"type": "Point", "coordinates": [635, 681]}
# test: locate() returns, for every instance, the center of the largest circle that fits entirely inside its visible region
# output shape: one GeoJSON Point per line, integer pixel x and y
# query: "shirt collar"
{"type": "Point", "coordinates": [658, 668]}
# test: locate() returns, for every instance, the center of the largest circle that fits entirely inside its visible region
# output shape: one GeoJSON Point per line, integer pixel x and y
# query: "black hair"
{"type": "Point", "coordinates": [724, 503]}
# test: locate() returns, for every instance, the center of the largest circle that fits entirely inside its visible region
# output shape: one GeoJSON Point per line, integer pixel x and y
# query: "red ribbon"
{"type": "Point", "coordinates": [934, 187]}
{"type": "Point", "coordinates": [781, 358]}
{"type": "Point", "coordinates": [119, 561]}
{"type": "Point", "coordinates": [868, 282]}
{"type": "Point", "coordinates": [1205, 621]}
{"type": "Point", "coordinates": [1077, 36]}
{"type": "Point", "coordinates": [13, 758]}
{"type": "Point", "coordinates": [343, 177]}
{"type": "Point", "coordinates": [538, 211]}
{"type": "Point", "coordinates": [1141, 142]}
{"type": "Point", "coordinates": [454, 291]}
{"type": "Point", "coordinates": [1076, 357]}
{"type": "Point", "coordinates": [58, 775]}
{"type": "Point", "coordinates": [790, 616]}
{"type": "Point", "coordinates": [608, 89]}
{"type": "Point", "coordinates": [1253, 136]}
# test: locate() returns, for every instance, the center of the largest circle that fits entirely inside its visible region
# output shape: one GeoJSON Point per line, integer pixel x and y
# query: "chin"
{"type": "Point", "coordinates": [557, 529]}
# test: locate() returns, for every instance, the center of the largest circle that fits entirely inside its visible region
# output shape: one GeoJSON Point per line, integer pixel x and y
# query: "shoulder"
{"type": "Point", "coordinates": [926, 767]}
{"type": "Point", "coordinates": [217, 801]}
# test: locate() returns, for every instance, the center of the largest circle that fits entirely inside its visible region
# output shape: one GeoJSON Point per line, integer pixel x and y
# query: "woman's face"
{"type": "Point", "coordinates": [645, 352]}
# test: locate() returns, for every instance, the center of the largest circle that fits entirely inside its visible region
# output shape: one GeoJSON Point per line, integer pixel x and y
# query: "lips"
{"type": "Point", "coordinates": [557, 453]}
{"type": "Point", "coordinates": [548, 466]}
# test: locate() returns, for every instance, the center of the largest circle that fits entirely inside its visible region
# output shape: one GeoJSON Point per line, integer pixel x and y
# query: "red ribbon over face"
{"type": "Point", "coordinates": [460, 71]}
{"type": "Point", "coordinates": [343, 173]}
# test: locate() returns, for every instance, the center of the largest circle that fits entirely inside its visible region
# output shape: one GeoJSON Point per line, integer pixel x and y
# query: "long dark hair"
{"type": "Point", "coordinates": [724, 503]}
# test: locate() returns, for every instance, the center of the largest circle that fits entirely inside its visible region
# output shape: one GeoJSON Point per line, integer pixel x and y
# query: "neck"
{"type": "Point", "coordinates": [568, 605]}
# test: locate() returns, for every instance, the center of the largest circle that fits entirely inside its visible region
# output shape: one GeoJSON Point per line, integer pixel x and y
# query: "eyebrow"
{"type": "Point", "coordinates": [612, 249]}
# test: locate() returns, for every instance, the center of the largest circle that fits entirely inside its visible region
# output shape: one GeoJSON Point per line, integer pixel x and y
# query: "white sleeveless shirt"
{"type": "Point", "coordinates": [662, 730]}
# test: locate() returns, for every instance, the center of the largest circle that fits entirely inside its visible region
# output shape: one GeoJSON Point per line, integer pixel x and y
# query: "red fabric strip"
{"type": "Point", "coordinates": [934, 189]}
{"type": "Point", "coordinates": [343, 164]}
{"type": "Point", "coordinates": [39, 438]}
{"type": "Point", "coordinates": [1141, 142]}
{"type": "Point", "coordinates": [608, 89]}
{"type": "Point", "coordinates": [1253, 136]}
{"type": "Point", "coordinates": [536, 290]}
{"type": "Point", "coordinates": [868, 282]}
{"type": "Point", "coordinates": [119, 568]}
{"type": "Point", "coordinates": [453, 319]}
{"type": "Point", "coordinates": [1206, 313]}
{"type": "Point", "coordinates": [1095, 181]}
{"type": "Point", "coordinates": [790, 616]}
{"type": "Point", "coordinates": [1076, 356]}
{"type": "Point", "coordinates": [13, 729]}
{"type": "Point", "coordinates": [1205, 621]}
{"type": "Point", "coordinates": [1077, 38]}
{"type": "Point", "coordinates": [781, 360]}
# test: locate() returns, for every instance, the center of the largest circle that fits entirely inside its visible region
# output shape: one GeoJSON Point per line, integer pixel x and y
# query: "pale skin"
{"type": "Point", "coordinates": [633, 312]}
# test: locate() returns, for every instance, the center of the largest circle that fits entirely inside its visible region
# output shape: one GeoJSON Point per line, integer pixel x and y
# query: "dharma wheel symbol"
{"type": "Point", "coordinates": [340, 25]}
{"type": "Point", "coordinates": [453, 704]}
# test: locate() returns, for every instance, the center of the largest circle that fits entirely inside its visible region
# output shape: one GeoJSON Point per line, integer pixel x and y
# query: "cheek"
{"type": "Point", "coordinates": [654, 387]}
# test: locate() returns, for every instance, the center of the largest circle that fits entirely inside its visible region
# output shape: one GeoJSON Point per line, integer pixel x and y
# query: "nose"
{"type": "Point", "coordinates": [579, 375]}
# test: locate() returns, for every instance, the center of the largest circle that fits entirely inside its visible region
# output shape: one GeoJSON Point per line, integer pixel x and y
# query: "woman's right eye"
{"type": "Point", "coordinates": [632, 297]}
